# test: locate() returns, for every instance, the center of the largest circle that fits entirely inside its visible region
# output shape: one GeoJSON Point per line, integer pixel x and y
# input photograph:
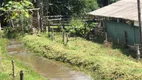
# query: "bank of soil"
{"type": "Point", "coordinates": [104, 63]}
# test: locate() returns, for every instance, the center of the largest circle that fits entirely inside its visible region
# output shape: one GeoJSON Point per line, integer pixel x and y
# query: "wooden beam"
{"type": "Point", "coordinates": [139, 18]}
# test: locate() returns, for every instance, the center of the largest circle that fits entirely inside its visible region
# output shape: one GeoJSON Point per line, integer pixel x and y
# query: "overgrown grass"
{"type": "Point", "coordinates": [105, 63]}
{"type": "Point", "coordinates": [6, 66]}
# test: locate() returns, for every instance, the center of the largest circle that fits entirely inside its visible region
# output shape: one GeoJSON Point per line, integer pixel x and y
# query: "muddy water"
{"type": "Point", "coordinates": [50, 69]}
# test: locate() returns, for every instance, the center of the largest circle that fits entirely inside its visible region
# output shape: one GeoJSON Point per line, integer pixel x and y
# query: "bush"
{"type": "Point", "coordinates": [18, 15]}
{"type": "Point", "coordinates": [1, 33]}
{"type": "Point", "coordinates": [77, 27]}
{"type": "Point", "coordinates": [80, 27]}
{"type": "Point", "coordinates": [10, 32]}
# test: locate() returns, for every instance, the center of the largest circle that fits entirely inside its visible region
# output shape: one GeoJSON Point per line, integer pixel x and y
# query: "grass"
{"type": "Point", "coordinates": [6, 66]}
{"type": "Point", "coordinates": [103, 62]}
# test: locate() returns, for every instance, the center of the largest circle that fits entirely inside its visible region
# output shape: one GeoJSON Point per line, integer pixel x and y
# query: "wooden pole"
{"type": "Point", "coordinates": [21, 75]}
{"type": "Point", "coordinates": [138, 53]}
{"type": "Point", "coordinates": [40, 6]}
{"type": "Point", "coordinates": [45, 11]}
{"type": "Point", "coordinates": [139, 19]}
{"type": "Point", "coordinates": [0, 25]}
{"type": "Point", "coordinates": [67, 38]}
{"type": "Point", "coordinates": [63, 36]}
{"type": "Point", "coordinates": [21, 20]}
{"type": "Point", "coordinates": [38, 16]}
{"type": "Point", "coordinates": [52, 37]}
{"type": "Point", "coordinates": [41, 15]}
{"type": "Point", "coordinates": [13, 70]}
{"type": "Point", "coordinates": [48, 29]}
{"type": "Point", "coordinates": [106, 39]}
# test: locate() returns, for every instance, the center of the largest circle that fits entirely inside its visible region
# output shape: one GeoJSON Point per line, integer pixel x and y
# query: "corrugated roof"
{"type": "Point", "coordinates": [125, 9]}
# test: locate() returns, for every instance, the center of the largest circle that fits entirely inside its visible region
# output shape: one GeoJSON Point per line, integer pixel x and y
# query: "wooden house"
{"type": "Point", "coordinates": [120, 21]}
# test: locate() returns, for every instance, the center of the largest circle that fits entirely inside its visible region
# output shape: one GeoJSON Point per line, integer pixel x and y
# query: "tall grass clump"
{"type": "Point", "coordinates": [103, 62]}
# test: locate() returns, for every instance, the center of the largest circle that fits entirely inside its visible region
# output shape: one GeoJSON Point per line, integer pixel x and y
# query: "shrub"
{"type": "Point", "coordinates": [77, 27]}
{"type": "Point", "coordinates": [10, 32]}
{"type": "Point", "coordinates": [17, 14]}
{"type": "Point", "coordinates": [1, 33]}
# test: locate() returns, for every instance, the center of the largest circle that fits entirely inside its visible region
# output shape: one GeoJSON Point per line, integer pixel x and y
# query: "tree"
{"type": "Point", "coordinates": [71, 7]}
{"type": "Point", "coordinates": [105, 2]}
{"type": "Point", "coordinates": [18, 15]}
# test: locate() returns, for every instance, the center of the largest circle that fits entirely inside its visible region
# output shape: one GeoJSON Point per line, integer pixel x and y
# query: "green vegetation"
{"type": "Point", "coordinates": [77, 27]}
{"type": "Point", "coordinates": [103, 62]}
{"type": "Point", "coordinates": [18, 16]}
{"type": "Point", "coordinates": [6, 66]}
{"type": "Point", "coordinates": [71, 7]}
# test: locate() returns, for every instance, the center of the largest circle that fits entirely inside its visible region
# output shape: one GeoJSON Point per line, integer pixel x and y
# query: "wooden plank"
{"type": "Point", "coordinates": [60, 25]}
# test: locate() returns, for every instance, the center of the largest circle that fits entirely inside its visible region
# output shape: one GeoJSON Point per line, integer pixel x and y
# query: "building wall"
{"type": "Point", "coordinates": [115, 31]}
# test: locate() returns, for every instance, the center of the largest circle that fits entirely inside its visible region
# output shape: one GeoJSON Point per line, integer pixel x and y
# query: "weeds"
{"type": "Point", "coordinates": [103, 62]}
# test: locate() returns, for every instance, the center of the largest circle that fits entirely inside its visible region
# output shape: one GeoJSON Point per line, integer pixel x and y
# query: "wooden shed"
{"type": "Point", "coordinates": [121, 21]}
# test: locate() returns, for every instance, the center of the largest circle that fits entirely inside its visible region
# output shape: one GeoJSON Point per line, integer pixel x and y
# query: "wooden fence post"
{"type": "Point", "coordinates": [67, 38]}
{"type": "Point", "coordinates": [0, 25]}
{"type": "Point", "coordinates": [138, 52]}
{"type": "Point", "coordinates": [63, 37]}
{"type": "Point", "coordinates": [13, 70]}
{"type": "Point", "coordinates": [52, 37]}
{"type": "Point", "coordinates": [49, 29]}
{"type": "Point", "coordinates": [21, 75]}
{"type": "Point", "coordinates": [106, 37]}
{"type": "Point", "coordinates": [38, 18]}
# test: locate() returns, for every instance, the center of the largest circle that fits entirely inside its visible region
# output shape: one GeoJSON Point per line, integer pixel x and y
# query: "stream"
{"type": "Point", "coordinates": [51, 69]}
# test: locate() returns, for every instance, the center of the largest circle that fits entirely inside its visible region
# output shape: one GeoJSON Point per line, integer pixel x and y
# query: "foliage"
{"type": "Point", "coordinates": [102, 3]}
{"type": "Point", "coordinates": [90, 5]}
{"type": "Point", "coordinates": [80, 27]}
{"type": "Point", "coordinates": [1, 34]}
{"type": "Point", "coordinates": [17, 14]}
{"type": "Point", "coordinates": [91, 24]}
{"type": "Point", "coordinates": [10, 32]}
{"type": "Point", "coordinates": [77, 27]}
{"type": "Point", "coordinates": [112, 1]}
{"type": "Point", "coordinates": [16, 9]}
{"type": "Point", "coordinates": [71, 7]}
{"type": "Point", "coordinates": [105, 63]}
{"type": "Point", "coordinates": [74, 7]}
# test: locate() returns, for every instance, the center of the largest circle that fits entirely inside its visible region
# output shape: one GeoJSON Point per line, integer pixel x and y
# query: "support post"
{"type": "Point", "coordinates": [13, 69]}
{"type": "Point", "coordinates": [106, 39]}
{"type": "Point", "coordinates": [38, 18]}
{"type": "Point", "coordinates": [21, 75]}
{"type": "Point", "coordinates": [52, 37]}
{"type": "Point", "coordinates": [85, 30]}
{"type": "Point", "coordinates": [0, 25]}
{"type": "Point", "coordinates": [67, 38]}
{"type": "Point", "coordinates": [48, 29]}
{"type": "Point", "coordinates": [63, 37]}
{"type": "Point", "coordinates": [138, 53]}
{"type": "Point", "coordinates": [40, 5]}
{"type": "Point", "coordinates": [139, 18]}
